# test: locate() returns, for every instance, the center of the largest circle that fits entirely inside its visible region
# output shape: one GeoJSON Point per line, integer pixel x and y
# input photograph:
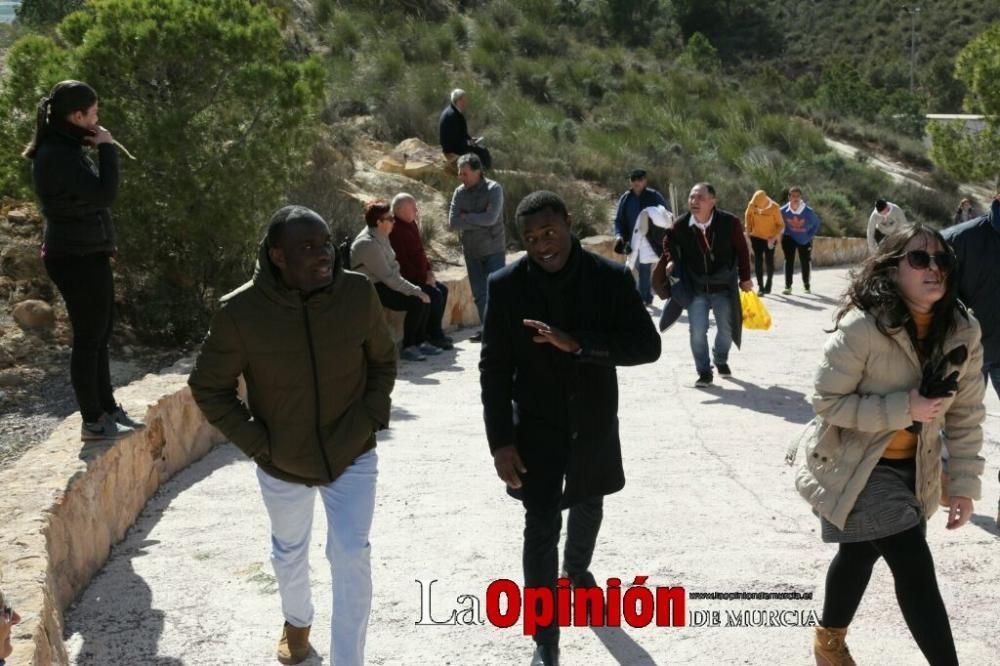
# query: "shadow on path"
{"type": "Point", "coordinates": [114, 615]}
{"type": "Point", "coordinates": [622, 647]}
{"type": "Point", "coordinates": [985, 523]}
{"type": "Point", "coordinates": [774, 400]}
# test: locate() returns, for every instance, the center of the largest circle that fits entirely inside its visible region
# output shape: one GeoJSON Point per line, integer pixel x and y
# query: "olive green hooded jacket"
{"type": "Point", "coordinates": [318, 371]}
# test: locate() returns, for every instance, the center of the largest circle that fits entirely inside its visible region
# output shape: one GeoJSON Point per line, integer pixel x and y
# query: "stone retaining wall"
{"type": "Point", "coordinates": [64, 504]}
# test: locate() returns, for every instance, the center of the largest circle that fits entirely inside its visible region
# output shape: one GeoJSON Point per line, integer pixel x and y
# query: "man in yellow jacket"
{"type": "Point", "coordinates": [764, 225]}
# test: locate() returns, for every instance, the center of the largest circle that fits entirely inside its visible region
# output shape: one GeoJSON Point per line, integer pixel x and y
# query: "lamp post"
{"type": "Point", "coordinates": [913, 11]}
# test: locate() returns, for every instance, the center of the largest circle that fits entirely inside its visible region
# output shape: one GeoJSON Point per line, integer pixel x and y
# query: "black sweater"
{"type": "Point", "coordinates": [75, 195]}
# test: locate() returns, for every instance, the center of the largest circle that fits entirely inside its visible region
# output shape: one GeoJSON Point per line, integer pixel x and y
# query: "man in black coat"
{"type": "Point", "coordinates": [453, 131]}
{"type": "Point", "coordinates": [558, 322]}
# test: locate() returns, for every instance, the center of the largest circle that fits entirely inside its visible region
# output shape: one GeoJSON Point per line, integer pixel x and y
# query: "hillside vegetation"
{"type": "Point", "coordinates": [570, 95]}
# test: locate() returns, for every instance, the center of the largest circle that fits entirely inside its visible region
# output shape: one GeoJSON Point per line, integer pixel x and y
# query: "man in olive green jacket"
{"type": "Point", "coordinates": [319, 363]}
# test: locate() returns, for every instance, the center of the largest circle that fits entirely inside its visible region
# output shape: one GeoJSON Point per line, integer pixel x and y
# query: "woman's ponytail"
{"type": "Point", "coordinates": [66, 97]}
{"type": "Point", "coordinates": [41, 125]}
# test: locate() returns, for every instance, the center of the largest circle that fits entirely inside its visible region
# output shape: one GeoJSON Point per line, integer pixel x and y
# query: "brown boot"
{"type": "Point", "coordinates": [293, 648]}
{"type": "Point", "coordinates": [830, 647]}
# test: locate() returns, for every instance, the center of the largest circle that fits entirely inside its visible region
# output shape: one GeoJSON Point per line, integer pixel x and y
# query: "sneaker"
{"type": "Point", "coordinates": [104, 428]}
{"type": "Point", "coordinates": [412, 354]}
{"type": "Point", "coordinates": [761, 292]}
{"type": "Point", "coordinates": [427, 349]}
{"type": "Point", "coordinates": [444, 342]}
{"type": "Point", "coordinates": [807, 290]}
{"type": "Point", "coordinates": [121, 417]}
{"type": "Point", "coordinates": [704, 380]}
{"type": "Point", "coordinates": [724, 370]}
{"type": "Point", "coordinates": [786, 291]}
{"type": "Point", "coordinates": [478, 337]}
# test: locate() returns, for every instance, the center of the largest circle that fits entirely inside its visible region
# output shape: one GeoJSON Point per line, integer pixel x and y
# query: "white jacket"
{"type": "Point", "coordinates": [642, 251]}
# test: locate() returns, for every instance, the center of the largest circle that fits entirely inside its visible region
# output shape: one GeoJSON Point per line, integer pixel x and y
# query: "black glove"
{"type": "Point", "coordinates": [934, 384]}
{"type": "Point", "coordinates": [619, 246]}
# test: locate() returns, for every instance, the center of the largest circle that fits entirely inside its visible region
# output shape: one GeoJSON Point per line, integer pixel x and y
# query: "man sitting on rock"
{"type": "Point", "coordinates": [416, 268]}
{"type": "Point", "coordinates": [454, 132]}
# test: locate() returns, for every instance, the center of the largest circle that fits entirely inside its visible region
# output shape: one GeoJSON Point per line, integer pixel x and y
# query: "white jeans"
{"type": "Point", "coordinates": [349, 503]}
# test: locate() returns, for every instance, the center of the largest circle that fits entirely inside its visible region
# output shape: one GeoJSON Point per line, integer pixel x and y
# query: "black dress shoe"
{"type": "Point", "coordinates": [545, 655]}
{"type": "Point", "coordinates": [478, 337]}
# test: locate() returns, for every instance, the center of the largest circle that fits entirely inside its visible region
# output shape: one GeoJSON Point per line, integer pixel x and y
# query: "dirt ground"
{"type": "Point", "coordinates": [709, 505]}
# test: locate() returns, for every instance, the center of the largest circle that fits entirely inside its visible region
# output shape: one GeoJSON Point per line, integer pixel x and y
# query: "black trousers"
{"type": "Point", "coordinates": [87, 286]}
{"type": "Point", "coordinates": [439, 299]}
{"type": "Point", "coordinates": [415, 324]}
{"type": "Point", "coordinates": [542, 526]}
{"type": "Point", "coordinates": [762, 254]}
{"type": "Point", "coordinates": [790, 247]}
{"type": "Point", "coordinates": [909, 559]}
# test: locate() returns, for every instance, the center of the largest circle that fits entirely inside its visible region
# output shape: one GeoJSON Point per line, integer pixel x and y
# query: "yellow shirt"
{"type": "Point", "coordinates": [904, 443]}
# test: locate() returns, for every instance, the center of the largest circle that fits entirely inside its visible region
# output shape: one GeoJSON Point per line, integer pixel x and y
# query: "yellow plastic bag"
{"type": "Point", "coordinates": [755, 315]}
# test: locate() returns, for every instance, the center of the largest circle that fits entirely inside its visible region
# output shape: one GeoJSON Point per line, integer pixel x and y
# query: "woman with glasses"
{"type": "Point", "coordinates": [372, 254]}
{"type": "Point", "coordinates": [902, 366]}
{"type": "Point", "coordinates": [8, 618]}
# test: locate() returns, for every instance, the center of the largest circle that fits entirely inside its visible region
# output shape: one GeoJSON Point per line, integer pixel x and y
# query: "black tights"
{"type": "Point", "coordinates": [87, 287]}
{"type": "Point", "coordinates": [909, 559]}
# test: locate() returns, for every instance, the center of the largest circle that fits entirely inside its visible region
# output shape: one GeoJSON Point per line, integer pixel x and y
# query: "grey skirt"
{"type": "Point", "coordinates": [887, 505]}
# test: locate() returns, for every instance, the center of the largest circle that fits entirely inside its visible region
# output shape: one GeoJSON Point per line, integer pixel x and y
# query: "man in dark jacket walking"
{"type": "Point", "coordinates": [630, 204]}
{"type": "Point", "coordinates": [319, 363]}
{"type": "Point", "coordinates": [710, 248]}
{"type": "Point", "coordinates": [977, 245]}
{"type": "Point", "coordinates": [454, 131]}
{"type": "Point", "coordinates": [558, 322]}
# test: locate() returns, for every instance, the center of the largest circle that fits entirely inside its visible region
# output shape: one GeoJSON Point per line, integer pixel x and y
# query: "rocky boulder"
{"type": "Point", "coordinates": [413, 158]}
{"type": "Point", "coordinates": [34, 314]}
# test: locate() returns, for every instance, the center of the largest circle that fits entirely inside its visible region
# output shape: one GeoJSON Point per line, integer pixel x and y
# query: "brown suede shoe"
{"type": "Point", "coordinates": [293, 648]}
{"type": "Point", "coordinates": [830, 647]}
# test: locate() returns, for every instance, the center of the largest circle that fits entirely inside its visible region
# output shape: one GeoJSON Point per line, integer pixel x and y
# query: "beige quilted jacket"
{"type": "Point", "coordinates": [862, 399]}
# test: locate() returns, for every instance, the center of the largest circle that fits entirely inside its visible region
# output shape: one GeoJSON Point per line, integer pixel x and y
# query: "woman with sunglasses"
{"type": "Point", "coordinates": [873, 476]}
{"type": "Point", "coordinates": [79, 240]}
{"type": "Point", "coordinates": [8, 618]}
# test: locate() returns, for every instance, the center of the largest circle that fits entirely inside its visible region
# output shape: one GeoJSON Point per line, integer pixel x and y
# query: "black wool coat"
{"type": "Point", "coordinates": [561, 409]}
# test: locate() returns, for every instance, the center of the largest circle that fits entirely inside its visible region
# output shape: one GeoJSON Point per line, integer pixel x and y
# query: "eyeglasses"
{"type": "Point", "coordinates": [921, 259]}
{"type": "Point", "coordinates": [387, 218]}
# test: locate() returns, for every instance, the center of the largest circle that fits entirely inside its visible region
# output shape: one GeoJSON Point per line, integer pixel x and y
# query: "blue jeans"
{"type": "Point", "coordinates": [991, 372]}
{"type": "Point", "coordinates": [349, 503]}
{"type": "Point", "coordinates": [645, 283]}
{"type": "Point", "coordinates": [479, 269]}
{"type": "Point", "coordinates": [698, 321]}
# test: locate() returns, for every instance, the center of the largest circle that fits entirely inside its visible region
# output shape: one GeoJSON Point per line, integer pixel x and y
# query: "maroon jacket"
{"type": "Point", "coordinates": [405, 241]}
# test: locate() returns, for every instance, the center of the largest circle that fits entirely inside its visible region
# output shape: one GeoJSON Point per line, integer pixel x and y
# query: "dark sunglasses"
{"type": "Point", "coordinates": [921, 259]}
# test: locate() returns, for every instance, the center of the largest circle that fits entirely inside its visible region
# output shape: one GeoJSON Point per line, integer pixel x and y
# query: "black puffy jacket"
{"type": "Point", "coordinates": [977, 244]}
{"type": "Point", "coordinates": [75, 195]}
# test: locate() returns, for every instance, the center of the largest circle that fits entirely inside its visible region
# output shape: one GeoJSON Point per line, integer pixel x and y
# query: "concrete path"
{"type": "Point", "coordinates": [709, 505]}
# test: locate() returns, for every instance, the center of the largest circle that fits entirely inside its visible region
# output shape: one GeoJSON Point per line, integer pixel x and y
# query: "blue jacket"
{"type": "Point", "coordinates": [625, 218]}
{"type": "Point", "coordinates": [802, 227]}
{"type": "Point", "coordinates": [977, 245]}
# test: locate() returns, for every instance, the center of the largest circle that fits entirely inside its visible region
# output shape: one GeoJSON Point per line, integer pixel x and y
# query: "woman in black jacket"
{"type": "Point", "coordinates": [75, 196]}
